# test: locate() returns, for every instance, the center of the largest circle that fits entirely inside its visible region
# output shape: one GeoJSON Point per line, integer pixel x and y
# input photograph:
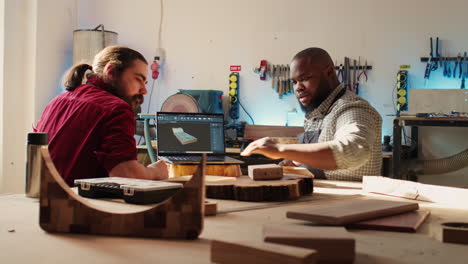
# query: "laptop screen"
{"type": "Point", "coordinates": [188, 133]}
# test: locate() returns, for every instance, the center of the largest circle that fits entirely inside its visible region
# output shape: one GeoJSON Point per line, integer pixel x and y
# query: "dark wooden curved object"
{"type": "Point", "coordinates": [62, 210]}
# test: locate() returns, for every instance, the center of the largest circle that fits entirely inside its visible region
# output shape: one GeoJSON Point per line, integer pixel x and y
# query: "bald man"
{"type": "Point", "coordinates": [342, 131]}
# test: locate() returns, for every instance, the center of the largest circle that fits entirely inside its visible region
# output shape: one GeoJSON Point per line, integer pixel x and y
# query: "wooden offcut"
{"type": "Point", "coordinates": [455, 232]}
{"type": "Point", "coordinates": [260, 131]}
{"type": "Point", "coordinates": [405, 222]}
{"type": "Point", "coordinates": [257, 252]}
{"type": "Point", "coordinates": [228, 170]}
{"type": "Point", "coordinates": [328, 241]}
{"type": "Point", "coordinates": [265, 172]}
{"type": "Point", "coordinates": [211, 208]}
{"type": "Point", "coordinates": [63, 211]}
{"type": "Point", "coordinates": [351, 211]}
{"type": "Point", "coordinates": [245, 189]}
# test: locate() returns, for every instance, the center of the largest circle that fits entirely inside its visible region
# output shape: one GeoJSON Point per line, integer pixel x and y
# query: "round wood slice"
{"type": "Point", "coordinates": [246, 189]}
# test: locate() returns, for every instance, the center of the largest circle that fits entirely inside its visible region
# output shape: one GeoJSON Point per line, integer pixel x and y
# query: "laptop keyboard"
{"type": "Point", "coordinates": [194, 158]}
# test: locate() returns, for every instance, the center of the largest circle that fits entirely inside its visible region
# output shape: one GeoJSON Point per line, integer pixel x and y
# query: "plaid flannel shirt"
{"type": "Point", "coordinates": [353, 129]}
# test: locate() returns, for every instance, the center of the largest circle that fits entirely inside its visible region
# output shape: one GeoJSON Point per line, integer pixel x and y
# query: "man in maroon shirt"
{"type": "Point", "coordinates": [91, 126]}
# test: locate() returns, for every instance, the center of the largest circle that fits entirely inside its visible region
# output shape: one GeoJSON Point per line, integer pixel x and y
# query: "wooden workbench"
{"type": "Point", "coordinates": [22, 240]}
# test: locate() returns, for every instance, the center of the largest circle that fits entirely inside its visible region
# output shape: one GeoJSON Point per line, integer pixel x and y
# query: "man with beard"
{"type": "Point", "coordinates": [342, 131]}
{"type": "Point", "coordinates": [91, 125]}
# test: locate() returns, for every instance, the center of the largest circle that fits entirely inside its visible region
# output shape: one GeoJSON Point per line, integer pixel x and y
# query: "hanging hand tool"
{"type": "Point", "coordinates": [340, 73]}
{"type": "Point", "coordinates": [430, 63]}
{"type": "Point", "coordinates": [437, 54]}
{"type": "Point", "coordinates": [355, 76]}
{"type": "Point", "coordinates": [457, 64]}
{"type": "Point", "coordinates": [346, 74]}
{"type": "Point", "coordinates": [435, 64]}
{"type": "Point", "coordinates": [273, 76]}
{"type": "Point", "coordinates": [363, 72]}
{"type": "Point", "coordinates": [460, 72]}
{"type": "Point", "coordinates": [464, 72]}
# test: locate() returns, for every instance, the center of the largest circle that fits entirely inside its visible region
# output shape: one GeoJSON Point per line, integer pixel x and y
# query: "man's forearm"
{"type": "Point", "coordinates": [317, 155]}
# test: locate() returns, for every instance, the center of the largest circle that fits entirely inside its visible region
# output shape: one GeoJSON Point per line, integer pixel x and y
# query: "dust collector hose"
{"type": "Point", "coordinates": [443, 165]}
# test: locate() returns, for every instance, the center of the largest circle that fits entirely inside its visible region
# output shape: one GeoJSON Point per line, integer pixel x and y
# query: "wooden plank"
{"type": "Point", "coordinates": [326, 240]}
{"type": "Point", "coordinates": [257, 131]}
{"type": "Point", "coordinates": [455, 232]}
{"type": "Point", "coordinates": [415, 190]}
{"type": "Point", "coordinates": [246, 189]}
{"type": "Point", "coordinates": [350, 211]}
{"type": "Point", "coordinates": [257, 252]}
{"type": "Point", "coordinates": [405, 222]}
{"type": "Point", "coordinates": [228, 170]}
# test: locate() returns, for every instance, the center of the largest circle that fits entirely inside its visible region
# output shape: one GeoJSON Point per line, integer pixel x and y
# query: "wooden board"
{"type": "Point", "coordinates": [246, 189]}
{"type": "Point", "coordinates": [208, 178]}
{"type": "Point", "coordinates": [258, 131]}
{"type": "Point", "coordinates": [326, 240]}
{"type": "Point", "coordinates": [257, 252]}
{"type": "Point", "coordinates": [229, 170]}
{"type": "Point", "coordinates": [62, 210]}
{"type": "Point", "coordinates": [415, 190]}
{"type": "Point", "coordinates": [351, 211]}
{"type": "Point", "coordinates": [405, 222]}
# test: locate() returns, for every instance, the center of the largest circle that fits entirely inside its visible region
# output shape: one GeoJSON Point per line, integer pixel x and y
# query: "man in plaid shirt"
{"type": "Point", "coordinates": [342, 131]}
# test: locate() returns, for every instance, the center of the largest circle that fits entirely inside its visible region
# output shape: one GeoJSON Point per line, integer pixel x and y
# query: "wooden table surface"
{"type": "Point", "coordinates": [22, 240]}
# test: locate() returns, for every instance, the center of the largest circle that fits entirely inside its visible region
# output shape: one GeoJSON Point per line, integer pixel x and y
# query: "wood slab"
{"type": "Point", "coordinates": [257, 252]}
{"type": "Point", "coordinates": [351, 211]}
{"type": "Point", "coordinates": [405, 222]}
{"type": "Point", "coordinates": [245, 189]}
{"type": "Point", "coordinates": [229, 170]}
{"type": "Point", "coordinates": [326, 240]}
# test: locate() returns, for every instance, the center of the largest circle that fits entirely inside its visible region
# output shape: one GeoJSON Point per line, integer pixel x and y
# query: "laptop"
{"type": "Point", "coordinates": [183, 137]}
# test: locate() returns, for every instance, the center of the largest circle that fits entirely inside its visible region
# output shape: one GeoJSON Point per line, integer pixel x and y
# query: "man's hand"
{"type": "Point", "coordinates": [265, 146]}
{"type": "Point", "coordinates": [163, 171]}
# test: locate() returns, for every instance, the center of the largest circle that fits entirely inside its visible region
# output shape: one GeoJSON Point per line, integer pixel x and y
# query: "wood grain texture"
{"type": "Point", "coordinates": [63, 211]}
{"type": "Point", "coordinates": [211, 208]}
{"type": "Point", "coordinates": [297, 170]}
{"type": "Point", "coordinates": [258, 131]}
{"type": "Point", "coordinates": [229, 170]}
{"type": "Point", "coordinates": [326, 240]}
{"type": "Point", "coordinates": [257, 252]}
{"type": "Point", "coordinates": [265, 172]}
{"type": "Point", "coordinates": [405, 222]}
{"type": "Point", "coordinates": [245, 189]}
{"type": "Point", "coordinates": [351, 211]}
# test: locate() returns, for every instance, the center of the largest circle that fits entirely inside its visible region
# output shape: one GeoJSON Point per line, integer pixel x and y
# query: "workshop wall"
{"type": "Point", "coordinates": [37, 51]}
{"type": "Point", "coordinates": [203, 38]}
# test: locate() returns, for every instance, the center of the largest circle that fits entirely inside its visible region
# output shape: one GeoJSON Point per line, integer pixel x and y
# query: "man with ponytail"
{"type": "Point", "coordinates": [91, 125]}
